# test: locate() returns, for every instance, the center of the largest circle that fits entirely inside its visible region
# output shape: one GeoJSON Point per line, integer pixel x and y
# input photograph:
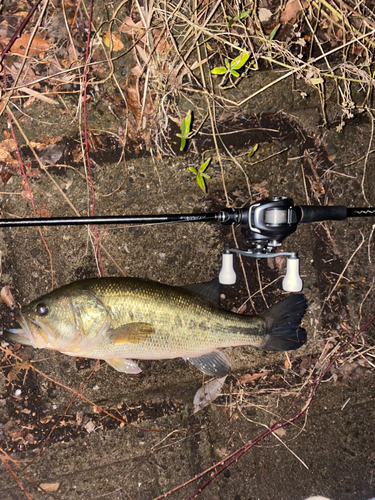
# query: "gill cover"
{"type": "Point", "coordinates": [70, 321]}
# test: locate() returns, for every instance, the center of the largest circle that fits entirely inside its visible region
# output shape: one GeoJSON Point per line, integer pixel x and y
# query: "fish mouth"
{"type": "Point", "coordinates": [24, 335]}
{"type": "Point", "coordinates": [21, 335]}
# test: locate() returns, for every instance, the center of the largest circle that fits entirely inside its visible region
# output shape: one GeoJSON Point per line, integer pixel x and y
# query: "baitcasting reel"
{"type": "Point", "coordinates": [265, 224]}
{"type": "Point", "coordinates": [268, 222]}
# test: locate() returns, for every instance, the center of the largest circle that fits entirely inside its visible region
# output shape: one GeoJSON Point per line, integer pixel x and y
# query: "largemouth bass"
{"type": "Point", "coordinates": [118, 319]}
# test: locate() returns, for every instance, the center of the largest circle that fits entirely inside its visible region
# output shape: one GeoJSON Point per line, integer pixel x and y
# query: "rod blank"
{"type": "Point", "coordinates": [137, 219]}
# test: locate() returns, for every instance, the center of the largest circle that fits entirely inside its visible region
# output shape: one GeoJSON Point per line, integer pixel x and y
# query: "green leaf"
{"type": "Point", "coordinates": [274, 31]}
{"type": "Point", "coordinates": [185, 125]}
{"type": "Point", "coordinates": [239, 61]}
{"type": "Point", "coordinates": [201, 183]}
{"type": "Point", "coordinates": [244, 14]}
{"type": "Point", "coordinates": [226, 62]}
{"type": "Point", "coordinates": [185, 130]}
{"type": "Point", "coordinates": [192, 169]}
{"type": "Point", "coordinates": [204, 165]}
{"type": "Point", "coordinates": [234, 73]}
{"type": "Point", "coordinates": [206, 176]}
{"type": "Point", "coordinates": [230, 21]}
{"type": "Point", "coordinates": [219, 71]}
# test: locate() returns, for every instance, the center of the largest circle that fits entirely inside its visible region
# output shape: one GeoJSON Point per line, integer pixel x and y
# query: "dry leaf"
{"type": "Point", "coordinates": [264, 15]}
{"type": "Point", "coordinates": [116, 42]}
{"type": "Point", "coordinates": [7, 297]}
{"type": "Point", "coordinates": [248, 377]}
{"type": "Point", "coordinates": [287, 364]}
{"type": "Point", "coordinates": [142, 54]}
{"type": "Point", "coordinates": [5, 156]}
{"type": "Point", "coordinates": [292, 9]}
{"type": "Point", "coordinates": [132, 100]}
{"type": "Point", "coordinates": [8, 144]}
{"type": "Point", "coordinates": [42, 211]}
{"type": "Point", "coordinates": [79, 418]}
{"type": "Point", "coordinates": [280, 432]}
{"type": "Point", "coordinates": [8, 165]}
{"type": "Point", "coordinates": [16, 369]}
{"type": "Point", "coordinates": [27, 75]}
{"type": "Point", "coordinates": [129, 26]}
{"type": "Point", "coordinates": [38, 95]}
{"type": "Point", "coordinates": [260, 188]}
{"type": "Point", "coordinates": [49, 487]}
{"type": "Point", "coordinates": [211, 391]}
{"type": "Point", "coordinates": [28, 102]}
{"type": "Point", "coordinates": [90, 426]}
{"type": "Point", "coordinates": [37, 48]}
{"type": "Point", "coordinates": [136, 71]}
{"type": "Point", "coordinates": [160, 42]}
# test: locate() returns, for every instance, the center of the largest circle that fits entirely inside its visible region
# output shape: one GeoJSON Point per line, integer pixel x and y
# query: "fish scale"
{"type": "Point", "coordinates": [184, 324]}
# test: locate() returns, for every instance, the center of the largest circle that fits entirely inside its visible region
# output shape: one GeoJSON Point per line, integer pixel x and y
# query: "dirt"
{"type": "Point", "coordinates": [90, 454]}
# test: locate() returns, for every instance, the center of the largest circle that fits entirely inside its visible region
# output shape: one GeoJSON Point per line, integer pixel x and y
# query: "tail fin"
{"type": "Point", "coordinates": [283, 324]}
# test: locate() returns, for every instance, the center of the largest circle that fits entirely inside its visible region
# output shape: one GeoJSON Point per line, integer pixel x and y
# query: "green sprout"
{"type": "Point", "coordinates": [253, 150]}
{"type": "Point", "coordinates": [185, 130]}
{"type": "Point", "coordinates": [232, 20]}
{"type": "Point", "coordinates": [201, 175]}
{"type": "Point", "coordinates": [274, 32]}
{"type": "Point", "coordinates": [230, 68]}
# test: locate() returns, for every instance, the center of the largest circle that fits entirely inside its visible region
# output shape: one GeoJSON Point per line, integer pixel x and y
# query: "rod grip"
{"type": "Point", "coordinates": [310, 213]}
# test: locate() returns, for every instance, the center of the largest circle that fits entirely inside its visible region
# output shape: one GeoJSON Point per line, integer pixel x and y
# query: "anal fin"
{"type": "Point", "coordinates": [124, 365]}
{"type": "Point", "coordinates": [215, 364]}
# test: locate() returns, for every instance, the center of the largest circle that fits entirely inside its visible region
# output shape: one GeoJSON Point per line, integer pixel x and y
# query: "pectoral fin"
{"type": "Point", "coordinates": [131, 333]}
{"type": "Point", "coordinates": [124, 365]}
{"type": "Point", "coordinates": [215, 364]}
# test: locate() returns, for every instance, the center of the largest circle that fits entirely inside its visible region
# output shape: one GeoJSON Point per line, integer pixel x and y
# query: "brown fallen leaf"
{"type": "Point", "coordinates": [5, 156]}
{"type": "Point", "coordinates": [8, 144]}
{"type": "Point", "coordinates": [49, 487]}
{"type": "Point", "coordinates": [260, 188]}
{"type": "Point", "coordinates": [132, 100]}
{"type": "Point", "coordinates": [37, 48]}
{"type": "Point", "coordinates": [7, 297]}
{"type": "Point", "coordinates": [248, 377]}
{"type": "Point", "coordinates": [280, 432]}
{"type": "Point", "coordinates": [16, 369]}
{"type": "Point", "coordinates": [264, 14]}
{"type": "Point", "coordinates": [129, 26]}
{"type": "Point", "coordinates": [116, 42]}
{"type": "Point", "coordinates": [292, 9]}
{"type": "Point", "coordinates": [42, 211]}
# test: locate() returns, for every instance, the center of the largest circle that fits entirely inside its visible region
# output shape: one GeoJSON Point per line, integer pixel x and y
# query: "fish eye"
{"type": "Point", "coordinates": [42, 309]}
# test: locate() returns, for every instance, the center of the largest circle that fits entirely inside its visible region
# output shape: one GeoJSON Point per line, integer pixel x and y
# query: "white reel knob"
{"type": "Point", "coordinates": [292, 281]}
{"type": "Point", "coordinates": [227, 276]}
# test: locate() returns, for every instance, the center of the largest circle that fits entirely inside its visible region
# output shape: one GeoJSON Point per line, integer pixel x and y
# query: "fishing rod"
{"type": "Point", "coordinates": [265, 224]}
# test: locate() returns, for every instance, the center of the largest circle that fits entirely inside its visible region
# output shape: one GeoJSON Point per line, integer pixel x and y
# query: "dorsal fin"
{"type": "Point", "coordinates": [210, 290]}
